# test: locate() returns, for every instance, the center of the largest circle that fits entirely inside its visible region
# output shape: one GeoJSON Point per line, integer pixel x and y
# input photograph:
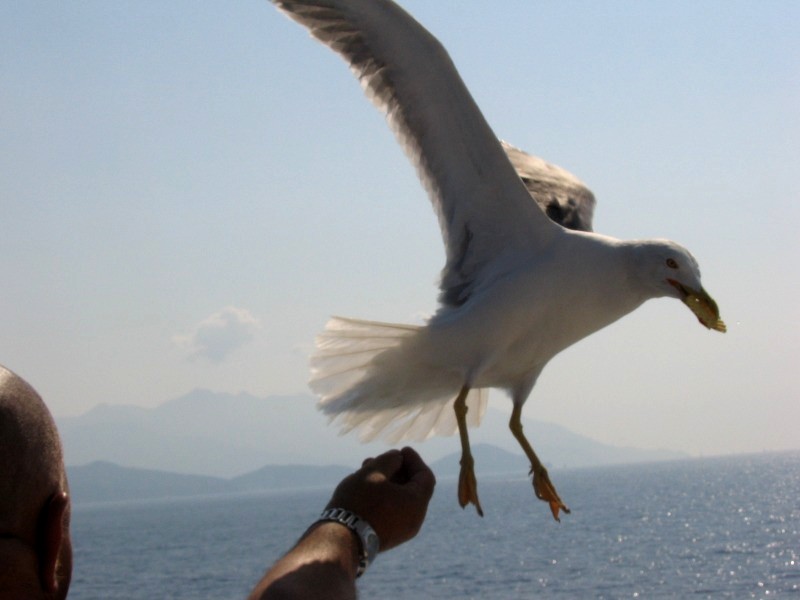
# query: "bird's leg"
{"type": "Point", "coordinates": [542, 487]}
{"type": "Point", "coordinates": [467, 484]}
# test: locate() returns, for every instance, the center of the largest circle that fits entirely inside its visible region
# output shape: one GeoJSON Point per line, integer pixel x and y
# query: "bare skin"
{"type": "Point", "coordinates": [35, 547]}
{"type": "Point", "coordinates": [391, 492]}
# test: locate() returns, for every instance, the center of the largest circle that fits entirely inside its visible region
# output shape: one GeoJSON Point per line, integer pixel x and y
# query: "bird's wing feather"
{"type": "Point", "coordinates": [561, 195]}
{"type": "Point", "coordinates": [484, 210]}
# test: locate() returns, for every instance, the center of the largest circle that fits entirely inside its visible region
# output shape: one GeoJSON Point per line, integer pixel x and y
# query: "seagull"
{"type": "Point", "coordinates": [523, 279]}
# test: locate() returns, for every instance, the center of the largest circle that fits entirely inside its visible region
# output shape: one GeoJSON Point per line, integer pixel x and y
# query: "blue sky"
{"type": "Point", "coordinates": [188, 190]}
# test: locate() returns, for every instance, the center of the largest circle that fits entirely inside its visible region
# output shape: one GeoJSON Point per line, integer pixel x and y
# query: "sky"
{"type": "Point", "coordinates": [189, 190]}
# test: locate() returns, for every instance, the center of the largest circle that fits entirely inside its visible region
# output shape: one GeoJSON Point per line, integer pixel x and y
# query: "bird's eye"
{"type": "Point", "coordinates": [672, 263]}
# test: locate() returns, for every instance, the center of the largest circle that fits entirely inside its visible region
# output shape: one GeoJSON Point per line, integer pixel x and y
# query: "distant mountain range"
{"type": "Point", "coordinates": [102, 481]}
{"type": "Point", "coordinates": [207, 442]}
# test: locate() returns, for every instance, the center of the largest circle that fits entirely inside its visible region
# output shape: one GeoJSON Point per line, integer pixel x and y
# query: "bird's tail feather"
{"type": "Point", "coordinates": [373, 378]}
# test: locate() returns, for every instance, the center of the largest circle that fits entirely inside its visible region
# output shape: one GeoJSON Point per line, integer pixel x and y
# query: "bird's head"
{"type": "Point", "coordinates": [674, 272]}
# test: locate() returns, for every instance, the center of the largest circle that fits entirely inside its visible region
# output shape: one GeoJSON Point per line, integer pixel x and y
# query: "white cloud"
{"type": "Point", "coordinates": [219, 334]}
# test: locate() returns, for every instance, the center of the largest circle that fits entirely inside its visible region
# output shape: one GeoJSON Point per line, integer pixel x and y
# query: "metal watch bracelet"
{"type": "Point", "coordinates": [370, 544]}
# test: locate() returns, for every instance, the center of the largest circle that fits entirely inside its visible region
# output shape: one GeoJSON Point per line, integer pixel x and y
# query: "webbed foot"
{"type": "Point", "coordinates": [545, 490]}
{"type": "Point", "coordinates": [468, 485]}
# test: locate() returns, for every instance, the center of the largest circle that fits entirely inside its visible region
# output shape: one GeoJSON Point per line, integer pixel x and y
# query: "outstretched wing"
{"type": "Point", "coordinates": [484, 211]}
{"type": "Point", "coordinates": [561, 195]}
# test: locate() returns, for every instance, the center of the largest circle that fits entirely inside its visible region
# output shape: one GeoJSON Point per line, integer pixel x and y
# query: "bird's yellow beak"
{"type": "Point", "coordinates": [702, 305]}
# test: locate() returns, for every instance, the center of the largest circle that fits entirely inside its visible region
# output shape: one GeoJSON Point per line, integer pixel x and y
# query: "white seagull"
{"type": "Point", "coordinates": [517, 287]}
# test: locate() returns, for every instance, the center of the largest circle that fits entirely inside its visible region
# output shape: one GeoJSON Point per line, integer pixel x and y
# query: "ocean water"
{"type": "Point", "coordinates": [703, 528]}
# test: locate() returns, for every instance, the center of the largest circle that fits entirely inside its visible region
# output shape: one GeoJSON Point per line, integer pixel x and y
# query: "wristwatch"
{"type": "Point", "coordinates": [370, 544]}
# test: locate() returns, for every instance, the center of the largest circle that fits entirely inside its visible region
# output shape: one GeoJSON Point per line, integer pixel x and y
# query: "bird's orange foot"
{"type": "Point", "coordinates": [468, 485]}
{"type": "Point", "coordinates": [546, 491]}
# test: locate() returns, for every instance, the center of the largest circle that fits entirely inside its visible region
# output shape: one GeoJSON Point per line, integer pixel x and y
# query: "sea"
{"type": "Point", "coordinates": [725, 527]}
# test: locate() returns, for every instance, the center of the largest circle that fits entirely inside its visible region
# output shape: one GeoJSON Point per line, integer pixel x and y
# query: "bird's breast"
{"type": "Point", "coordinates": [506, 332]}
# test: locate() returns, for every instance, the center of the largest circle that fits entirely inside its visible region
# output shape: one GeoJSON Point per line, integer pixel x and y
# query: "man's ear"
{"type": "Point", "coordinates": [50, 537]}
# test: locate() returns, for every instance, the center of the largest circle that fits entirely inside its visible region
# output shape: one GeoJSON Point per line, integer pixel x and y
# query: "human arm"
{"type": "Point", "coordinates": [390, 492]}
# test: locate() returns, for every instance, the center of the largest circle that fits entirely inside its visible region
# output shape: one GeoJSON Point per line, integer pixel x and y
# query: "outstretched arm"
{"type": "Point", "coordinates": [390, 492]}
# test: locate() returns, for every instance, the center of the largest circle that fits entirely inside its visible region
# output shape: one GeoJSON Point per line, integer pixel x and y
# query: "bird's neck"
{"type": "Point", "coordinates": [639, 263]}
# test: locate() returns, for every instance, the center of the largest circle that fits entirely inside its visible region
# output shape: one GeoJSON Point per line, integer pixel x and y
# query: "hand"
{"type": "Point", "coordinates": [391, 492]}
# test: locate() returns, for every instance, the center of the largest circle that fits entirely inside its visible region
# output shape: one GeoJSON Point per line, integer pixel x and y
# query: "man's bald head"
{"type": "Point", "coordinates": [31, 459]}
{"type": "Point", "coordinates": [35, 550]}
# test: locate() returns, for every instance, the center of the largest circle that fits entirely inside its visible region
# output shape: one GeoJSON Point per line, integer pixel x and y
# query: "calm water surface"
{"type": "Point", "coordinates": [704, 528]}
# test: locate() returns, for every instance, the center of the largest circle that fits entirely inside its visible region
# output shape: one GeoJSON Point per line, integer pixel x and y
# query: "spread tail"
{"type": "Point", "coordinates": [374, 377]}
